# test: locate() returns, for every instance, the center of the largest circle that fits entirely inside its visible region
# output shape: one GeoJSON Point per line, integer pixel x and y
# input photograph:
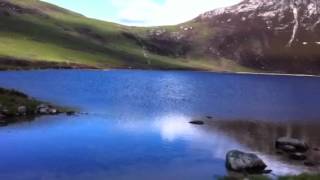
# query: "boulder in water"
{"type": "Point", "coordinates": [284, 143]}
{"type": "Point", "coordinates": [311, 163]}
{"type": "Point", "coordinates": [244, 162]}
{"type": "Point", "coordinates": [298, 156]}
{"type": "Point", "coordinates": [197, 122]}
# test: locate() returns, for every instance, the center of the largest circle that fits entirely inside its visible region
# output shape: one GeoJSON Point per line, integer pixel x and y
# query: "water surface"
{"type": "Point", "coordinates": [137, 123]}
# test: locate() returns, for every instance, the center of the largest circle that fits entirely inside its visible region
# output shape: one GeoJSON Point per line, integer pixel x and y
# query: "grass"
{"type": "Point", "coordinates": [11, 100]}
{"type": "Point", "coordinates": [47, 33]}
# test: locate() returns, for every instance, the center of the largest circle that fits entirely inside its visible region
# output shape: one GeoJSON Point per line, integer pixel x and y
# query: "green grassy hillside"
{"type": "Point", "coordinates": [37, 34]}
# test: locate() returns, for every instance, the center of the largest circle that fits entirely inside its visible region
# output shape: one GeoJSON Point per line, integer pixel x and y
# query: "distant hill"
{"type": "Point", "coordinates": [254, 35]}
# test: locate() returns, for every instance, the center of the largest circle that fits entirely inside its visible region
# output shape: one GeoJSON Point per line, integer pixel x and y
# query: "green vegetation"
{"type": "Point", "coordinates": [32, 31]}
{"type": "Point", "coordinates": [11, 99]}
{"type": "Point", "coordinates": [16, 106]}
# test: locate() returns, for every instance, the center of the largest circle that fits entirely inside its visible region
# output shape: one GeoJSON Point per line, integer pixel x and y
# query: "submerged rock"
{"type": "Point", "coordinates": [70, 113]}
{"type": "Point", "coordinates": [298, 156]}
{"type": "Point", "coordinates": [288, 148]}
{"type": "Point", "coordinates": [268, 171]}
{"type": "Point", "coordinates": [244, 162]}
{"type": "Point", "coordinates": [197, 122]}
{"type": "Point", "coordinates": [287, 144]}
{"type": "Point", "coordinates": [311, 163]}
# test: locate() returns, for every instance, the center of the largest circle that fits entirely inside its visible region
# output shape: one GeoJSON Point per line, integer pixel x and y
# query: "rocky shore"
{"type": "Point", "coordinates": [290, 148]}
{"type": "Point", "coordinates": [16, 106]}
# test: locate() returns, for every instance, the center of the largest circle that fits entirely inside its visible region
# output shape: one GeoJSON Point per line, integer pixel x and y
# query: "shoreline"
{"type": "Point", "coordinates": [88, 68]}
{"type": "Point", "coordinates": [12, 64]}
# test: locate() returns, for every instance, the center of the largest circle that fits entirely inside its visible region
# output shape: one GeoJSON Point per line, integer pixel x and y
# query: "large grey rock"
{"type": "Point", "coordinates": [244, 162]}
{"type": "Point", "coordinates": [284, 142]}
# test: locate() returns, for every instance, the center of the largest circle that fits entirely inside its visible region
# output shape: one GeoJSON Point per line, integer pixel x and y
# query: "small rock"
{"type": "Point", "coordinates": [310, 163]}
{"type": "Point", "coordinates": [42, 106]}
{"type": "Point", "coordinates": [209, 117]}
{"type": "Point", "coordinates": [22, 110]}
{"type": "Point", "coordinates": [197, 122]}
{"type": "Point", "coordinates": [288, 148]}
{"type": "Point", "coordinates": [299, 145]}
{"type": "Point", "coordinates": [53, 111]}
{"type": "Point", "coordinates": [43, 111]}
{"type": "Point", "coordinates": [71, 113]}
{"type": "Point", "coordinates": [268, 171]}
{"type": "Point", "coordinates": [244, 162]}
{"type": "Point", "coordinates": [298, 156]}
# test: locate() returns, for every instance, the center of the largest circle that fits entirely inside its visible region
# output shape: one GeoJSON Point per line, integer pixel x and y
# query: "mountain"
{"type": "Point", "coordinates": [254, 35]}
{"type": "Point", "coordinates": [35, 34]}
{"type": "Point", "coordinates": [274, 36]}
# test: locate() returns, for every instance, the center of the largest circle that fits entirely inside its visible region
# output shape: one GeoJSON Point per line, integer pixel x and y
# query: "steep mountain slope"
{"type": "Point", "coordinates": [277, 36]}
{"type": "Point", "coordinates": [38, 34]}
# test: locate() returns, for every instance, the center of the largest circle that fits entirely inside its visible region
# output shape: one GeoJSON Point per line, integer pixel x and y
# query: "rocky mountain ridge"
{"type": "Point", "coordinates": [281, 15]}
{"type": "Point", "coordinates": [277, 36]}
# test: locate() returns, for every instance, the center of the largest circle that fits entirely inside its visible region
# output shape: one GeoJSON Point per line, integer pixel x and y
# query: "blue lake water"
{"type": "Point", "coordinates": [136, 126]}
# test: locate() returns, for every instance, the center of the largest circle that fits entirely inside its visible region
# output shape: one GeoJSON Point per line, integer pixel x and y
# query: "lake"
{"type": "Point", "coordinates": [135, 124]}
